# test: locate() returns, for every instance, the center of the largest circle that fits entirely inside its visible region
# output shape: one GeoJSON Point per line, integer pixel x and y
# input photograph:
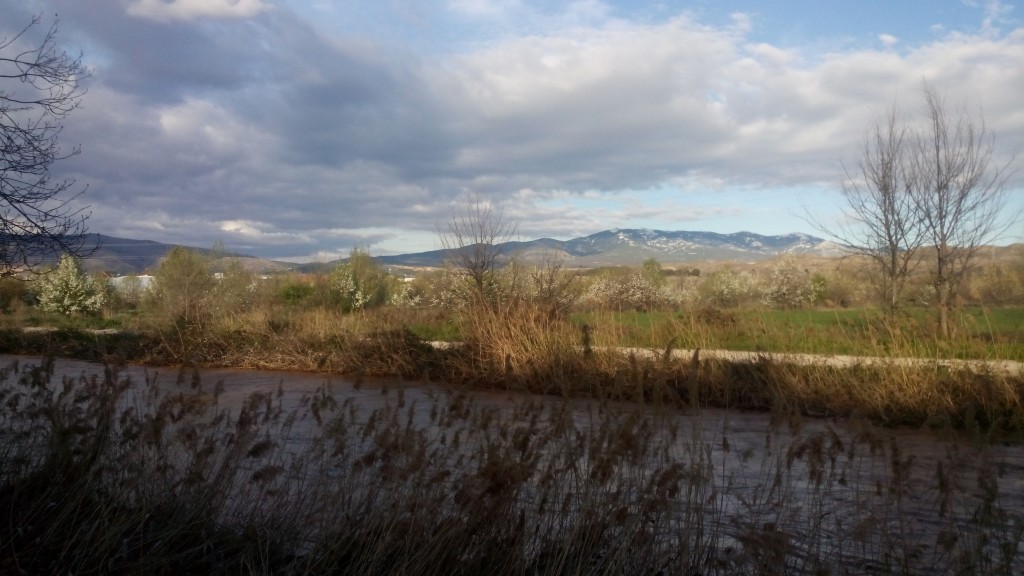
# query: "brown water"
{"type": "Point", "coordinates": [749, 452]}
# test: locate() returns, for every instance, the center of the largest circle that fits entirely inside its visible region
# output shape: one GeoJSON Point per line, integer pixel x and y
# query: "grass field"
{"type": "Point", "coordinates": [981, 333]}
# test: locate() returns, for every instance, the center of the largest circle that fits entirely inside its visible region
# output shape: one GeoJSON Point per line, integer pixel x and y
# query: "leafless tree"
{"type": "Point", "coordinates": [474, 240]}
{"type": "Point", "coordinates": [940, 186]}
{"type": "Point", "coordinates": [881, 222]}
{"type": "Point", "coordinates": [960, 193]}
{"type": "Point", "coordinates": [39, 87]}
{"type": "Point", "coordinates": [554, 286]}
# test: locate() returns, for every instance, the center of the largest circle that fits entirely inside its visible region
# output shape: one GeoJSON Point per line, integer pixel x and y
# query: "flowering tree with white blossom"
{"type": "Point", "coordinates": [68, 290]}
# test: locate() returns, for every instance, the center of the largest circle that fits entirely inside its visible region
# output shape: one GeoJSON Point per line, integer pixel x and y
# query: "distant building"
{"type": "Point", "coordinates": [126, 284]}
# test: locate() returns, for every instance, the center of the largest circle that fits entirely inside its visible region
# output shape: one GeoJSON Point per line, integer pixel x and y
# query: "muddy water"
{"type": "Point", "coordinates": [829, 484]}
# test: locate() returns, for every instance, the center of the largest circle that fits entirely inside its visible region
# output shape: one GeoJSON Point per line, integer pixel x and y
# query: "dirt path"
{"type": "Point", "coordinates": [1004, 367]}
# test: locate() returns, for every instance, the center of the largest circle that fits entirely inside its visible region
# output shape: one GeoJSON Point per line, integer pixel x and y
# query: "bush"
{"type": "Point", "coordinates": [642, 290]}
{"type": "Point", "coordinates": [449, 289]}
{"type": "Point", "coordinates": [68, 290]}
{"type": "Point", "coordinates": [999, 285]}
{"type": "Point", "coordinates": [11, 290]}
{"type": "Point", "coordinates": [296, 293]}
{"type": "Point", "coordinates": [182, 287]}
{"type": "Point", "coordinates": [551, 287]}
{"type": "Point", "coordinates": [235, 289]}
{"type": "Point", "coordinates": [359, 283]}
{"type": "Point", "coordinates": [726, 288]}
{"type": "Point", "coordinates": [789, 286]}
{"type": "Point", "coordinates": [126, 292]}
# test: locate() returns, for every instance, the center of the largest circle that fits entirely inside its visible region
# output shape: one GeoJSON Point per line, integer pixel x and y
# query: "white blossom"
{"type": "Point", "coordinates": [67, 290]}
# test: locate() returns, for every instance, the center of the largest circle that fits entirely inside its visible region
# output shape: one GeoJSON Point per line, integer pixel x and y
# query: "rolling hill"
{"type": "Point", "coordinates": [606, 248]}
{"type": "Point", "coordinates": [632, 246]}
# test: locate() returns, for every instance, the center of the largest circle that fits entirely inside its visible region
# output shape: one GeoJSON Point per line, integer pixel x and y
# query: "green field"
{"type": "Point", "coordinates": [981, 333]}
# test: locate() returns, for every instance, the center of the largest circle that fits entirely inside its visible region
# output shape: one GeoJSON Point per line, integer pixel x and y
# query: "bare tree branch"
{"type": "Point", "coordinates": [474, 240]}
{"type": "Point", "coordinates": [39, 87]}
{"type": "Point", "coordinates": [881, 221]}
{"type": "Point", "coordinates": [960, 194]}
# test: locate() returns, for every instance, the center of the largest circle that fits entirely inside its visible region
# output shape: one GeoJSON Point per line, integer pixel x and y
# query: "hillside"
{"type": "Point", "coordinates": [632, 246]}
{"type": "Point", "coordinates": [617, 247]}
{"type": "Point", "coordinates": [120, 256]}
{"type": "Point", "coordinates": [606, 248]}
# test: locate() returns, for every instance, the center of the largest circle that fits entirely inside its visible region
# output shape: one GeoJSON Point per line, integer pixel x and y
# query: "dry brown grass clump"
{"type": "Point", "coordinates": [520, 349]}
{"type": "Point", "coordinates": [891, 394]}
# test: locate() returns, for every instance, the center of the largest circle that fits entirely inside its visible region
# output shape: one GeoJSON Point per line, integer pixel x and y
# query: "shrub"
{"type": "Point", "coordinates": [448, 289]}
{"type": "Point", "coordinates": [68, 290]}
{"type": "Point", "coordinates": [653, 272]}
{"type": "Point", "coordinates": [402, 294]}
{"type": "Point", "coordinates": [789, 286]}
{"type": "Point", "coordinates": [296, 293]}
{"type": "Point", "coordinates": [639, 290]}
{"type": "Point", "coordinates": [452, 289]}
{"type": "Point", "coordinates": [726, 288]}
{"type": "Point", "coordinates": [999, 285]}
{"type": "Point", "coordinates": [182, 287]}
{"type": "Point", "coordinates": [234, 289]}
{"type": "Point", "coordinates": [180, 303]}
{"type": "Point", "coordinates": [126, 292]}
{"type": "Point", "coordinates": [842, 287]}
{"type": "Point", "coordinates": [359, 283]}
{"type": "Point", "coordinates": [11, 290]}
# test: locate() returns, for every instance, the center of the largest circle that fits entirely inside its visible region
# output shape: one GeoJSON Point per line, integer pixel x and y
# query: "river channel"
{"type": "Point", "coordinates": [857, 490]}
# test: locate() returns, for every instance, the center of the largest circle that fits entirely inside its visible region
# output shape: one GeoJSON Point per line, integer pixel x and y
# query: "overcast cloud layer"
{"type": "Point", "coordinates": [298, 130]}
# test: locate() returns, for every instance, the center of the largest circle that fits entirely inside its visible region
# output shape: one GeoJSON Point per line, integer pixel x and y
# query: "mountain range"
{"type": "Point", "coordinates": [607, 248]}
{"type": "Point", "coordinates": [633, 246]}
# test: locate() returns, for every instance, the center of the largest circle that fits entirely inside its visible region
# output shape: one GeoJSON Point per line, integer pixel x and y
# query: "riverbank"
{"type": "Point", "coordinates": [554, 360]}
{"type": "Point", "coordinates": [1004, 367]}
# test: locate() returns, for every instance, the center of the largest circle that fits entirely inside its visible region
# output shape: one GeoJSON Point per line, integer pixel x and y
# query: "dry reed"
{"type": "Point", "coordinates": [104, 475]}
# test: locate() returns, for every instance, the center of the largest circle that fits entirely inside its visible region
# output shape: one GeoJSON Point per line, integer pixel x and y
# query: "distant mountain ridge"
{"type": "Point", "coordinates": [122, 256]}
{"type": "Point", "coordinates": [607, 248]}
{"type": "Point", "coordinates": [632, 246]}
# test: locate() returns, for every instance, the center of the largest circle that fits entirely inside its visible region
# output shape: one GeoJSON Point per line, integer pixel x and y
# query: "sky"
{"type": "Point", "coordinates": [300, 129]}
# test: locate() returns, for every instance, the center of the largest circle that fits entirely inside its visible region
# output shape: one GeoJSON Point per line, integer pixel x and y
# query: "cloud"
{"type": "Point", "coordinates": [485, 8]}
{"type": "Point", "coordinates": [186, 10]}
{"type": "Point", "coordinates": [888, 40]}
{"type": "Point", "coordinates": [997, 14]}
{"type": "Point", "coordinates": [593, 110]}
{"type": "Point", "coordinates": [283, 135]}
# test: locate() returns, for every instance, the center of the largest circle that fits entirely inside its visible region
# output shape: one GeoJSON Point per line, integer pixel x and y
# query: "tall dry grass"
{"type": "Point", "coordinates": [521, 347]}
{"type": "Point", "coordinates": [99, 474]}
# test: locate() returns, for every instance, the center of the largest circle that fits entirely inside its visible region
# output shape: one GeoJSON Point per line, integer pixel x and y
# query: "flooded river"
{"type": "Point", "coordinates": [858, 497]}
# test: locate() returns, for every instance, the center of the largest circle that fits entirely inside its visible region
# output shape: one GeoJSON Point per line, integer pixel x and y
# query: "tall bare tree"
{"type": "Point", "coordinates": [881, 221]}
{"type": "Point", "coordinates": [474, 239]}
{"type": "Point", "coordinates": [39, 87]}
{"type": "Point", "coordinates": [959, 193]}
